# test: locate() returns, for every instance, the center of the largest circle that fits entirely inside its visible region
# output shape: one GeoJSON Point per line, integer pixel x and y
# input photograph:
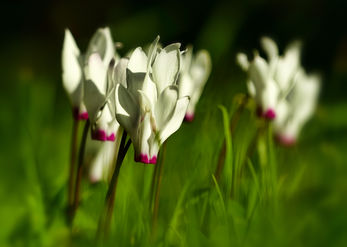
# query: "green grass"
{"type": "Point", "coordinates": [279, 196]}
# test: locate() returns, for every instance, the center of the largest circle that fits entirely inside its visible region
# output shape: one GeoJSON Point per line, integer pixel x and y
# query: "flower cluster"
{"type": "Point", "coordinates": [147, 94]}
{"type": "Point", "coordinates": [281, 88]}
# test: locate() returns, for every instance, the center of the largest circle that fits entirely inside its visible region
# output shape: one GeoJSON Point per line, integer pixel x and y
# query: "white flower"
{"type": "Point", "coordinates": [148, 106]}
{"type": "Point", "coordinates": [72, 64]}
{"type": "Point", "coordinates": [297, 108]}
{"type": "Point", "coordinates": [270, 81]}
{"type": "Point", "coordinates": [195, 71]}
{"type": "Point", "coordinates": [86, 80]}
{"type": "Point", "coordinates": [98, 86]}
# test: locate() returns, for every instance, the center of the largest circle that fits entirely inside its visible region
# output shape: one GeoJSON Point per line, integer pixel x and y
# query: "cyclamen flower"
{"type": "Point", "coordinates": [72, 64]}
{"type": "Point", "coordinates": [195, 71]}
{"type": "Point", "coordinates": [297, 108]}
{"type": "Point", "coordinates": [93, 84]}
{"type": "Point", "coordinates": [100, 55]}
{"type": "Point", "coordinates": [148, 105]}
{"type": "Point", "coordinates": [270, 81]}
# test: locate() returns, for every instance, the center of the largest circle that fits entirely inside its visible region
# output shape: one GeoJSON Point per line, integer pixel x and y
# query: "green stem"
{"type": "Point", "coordinates": [233, 123]}
{"type": "Point", "coordinates": [79, 170]}
{"type": "Point", "coordinates": [74, 137]}
{"type": "Point", "coordinates": [158, 175]}
{"type": "Point", "coordinates": [106, 216]}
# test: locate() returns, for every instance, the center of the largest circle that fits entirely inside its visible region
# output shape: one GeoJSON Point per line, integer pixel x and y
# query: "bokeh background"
{"type": "Point", "coordinates": [35, 121]}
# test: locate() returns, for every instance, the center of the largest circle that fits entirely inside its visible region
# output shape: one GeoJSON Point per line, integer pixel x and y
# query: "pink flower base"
{"type": "Point", "coordinates": [270, 114]}
{"type": "Point", "coordinates": [286, 140]}
{"type": "Point", "coordinates": [144, 159]}
{"type": "Point", "coordinates": [79, 115]}
{"type": "Point", "coordinates": [189, 117]}
{"type": "Point", "coordinates": [101, 135]}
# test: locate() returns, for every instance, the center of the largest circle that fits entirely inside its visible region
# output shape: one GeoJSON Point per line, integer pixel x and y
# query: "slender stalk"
{"type": "Point", "coordinates": [74, 137]}
{"type": "Point", "coordinates": [79, 170]}
{"type": "Point", "coordinates": [233, 123]}
{"type": "Point", "coordinates": [106, 216]}
{"type": "Point", "coordinates": [159, 175]}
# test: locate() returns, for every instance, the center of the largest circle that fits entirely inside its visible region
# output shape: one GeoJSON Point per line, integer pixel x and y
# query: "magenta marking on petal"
{"type": "Point", "coordinates": [144, 159]}
{"type": "Point", "coordinates": [286, 141]}
{"type": "Point", "coordinates": [79, 115]}
{"type": "Point", "coordinates": [111, 137]}
{"type": "Point", "coordinates": [99, 135]}
{"type": "Point", "coordinates": [83, 116]}
{"type": "Point", "coordinates": [270, 114]}
{"type": "Point", "coordinates": [189, 117]}
{"type": "Point", "coordinates": [153, 160]}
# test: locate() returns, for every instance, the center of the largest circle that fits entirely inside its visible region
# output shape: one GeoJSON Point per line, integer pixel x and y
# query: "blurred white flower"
{"type": "Point", "coordinates": [195, 70]}
{"type": "Point", "coordinates": [270, 81]}
{"type": "Point", "coordinates": [100, 53]}
{"type": "Point", "coordinates": [148, 106]}
{"type": "Point", "coordinates": [86, 81]}
{"type": "Point", "coordinates": [72, 64]}
{"type": "Point", "coordinates": [297, 108]}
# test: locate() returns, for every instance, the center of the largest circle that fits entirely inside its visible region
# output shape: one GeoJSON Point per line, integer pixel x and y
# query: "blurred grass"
{"type": "Point", "coordinates": [35, 137]}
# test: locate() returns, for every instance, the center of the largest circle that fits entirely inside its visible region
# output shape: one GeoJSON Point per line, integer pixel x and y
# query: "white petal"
{"type": "Point", "coordinates": [242, 60]}
{"type": "Point", "coordinates": [269, 47]}
{"type": "Point", "coordinates": [72, 72]}
{"type": "Point", "coordinates": [165, 106]}
{"type": "Point", "coordinates": [201, 68]}
{"type": "Point", "coordinates": [102, 162]}
{"type": "Point", "coordinates": [166, 66]}
{"type": "Point", "coordinates": [152, 52]}
{"type": "Point", "coordinates": [102, 44]}
{"type": "Point", "coordinates": [93, 99]}
{"type": "Point", "coordinates": [176, 120]}
{"type": "Point", "coordinates": [259, 72]}
{"type": "Point", "coordinates": [138, 61]}
{"type": "Point", "coordinates": [96, 71]}
{"type": "Point", "coordinates": [270, 96]}
{"type": "Point", "coordinates": [127, 110]}
{"type": "Point", "coordinates": [140, 139]}
{"type": "Point", "coordinates": [119, 73]}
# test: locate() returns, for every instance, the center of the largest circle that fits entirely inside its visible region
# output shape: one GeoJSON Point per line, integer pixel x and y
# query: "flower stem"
{"type": "Point", "coordinates": [233, 123]}
{"type": "Point", "coordinates": [74, 137]}
{"type": "Point", "coordinates": [106, 216]}
{"type": "Point", "coordinates": [157, 177]}
{"type": "Point", "coordinates": [79, 170]}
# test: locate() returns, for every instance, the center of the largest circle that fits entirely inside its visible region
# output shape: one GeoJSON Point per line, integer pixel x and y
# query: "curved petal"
{"type": "Point", "coordinates": [269, 47]}
{"type": "Point", "coordinates": [176, 120]}
{"type": "Point", "coordinates": [93, 99]}
{"type": "Point", "coordinates": [127, 112]}
{"type": "Point", "coordinates": [102, 44]}
{"type": "Point", "coordinates": [201, 67]}
{"type": "Point", "coordinates": [166, 66]}
{"type": "Point", "coordinates": [72, 72]}
{"type": "Point", "coordinates": [138, 61]}
{"type": "Point", "coordinates": [258, 72]}
{"type": "Point", "coordinates": [165, 106]}
{"type": "Point", "coordinates": [96, 71]}
{"type": "Point", "coordinates": [242, 60]}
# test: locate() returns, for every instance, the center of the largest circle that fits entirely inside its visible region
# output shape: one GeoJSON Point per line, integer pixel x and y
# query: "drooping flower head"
{"type": "Point", "coordinates": [195, 70]}
{"type": "Point", "coordinates": [148, 105]}
{"type": "Point", "coordinates": [297, 107]}
{"type": "Point", "coordinates": [86, 81]}
{"type": "Point", "coordinates": [98, 86]}
{"type": "Point", "coordinates": [73, 77]}
{"type": "Point", "coordinates": [270, 81]}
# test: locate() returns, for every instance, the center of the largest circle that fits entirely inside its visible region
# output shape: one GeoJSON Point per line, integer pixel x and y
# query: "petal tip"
{"type": "Point", "coordinates": [99, 135]}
